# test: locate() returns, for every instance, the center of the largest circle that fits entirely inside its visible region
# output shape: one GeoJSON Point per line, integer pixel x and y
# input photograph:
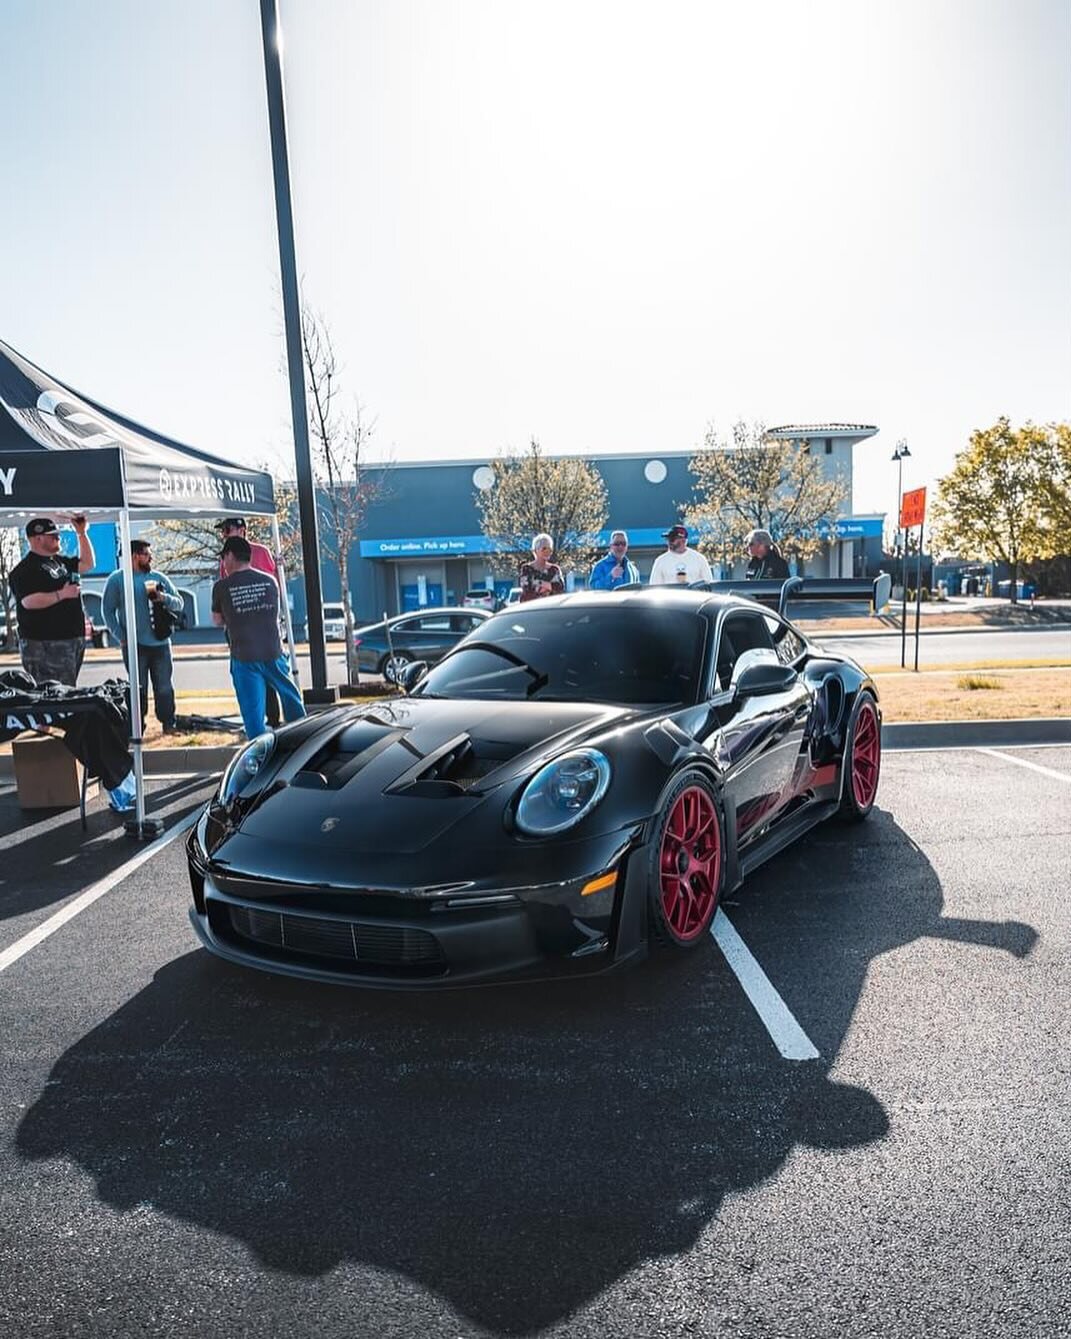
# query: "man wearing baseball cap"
{"type": "Point", "coordinates": [48, 595]}
{"type": "Point", "coordinates": [262, 560]}
{"type": "Point", "coordinates": [679, 565]}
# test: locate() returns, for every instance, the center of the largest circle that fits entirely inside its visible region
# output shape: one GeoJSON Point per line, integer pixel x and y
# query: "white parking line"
{"type": "Point", "coordinates": [789, 1038]}
{"type": "Point", "coordinates": [28, 941]}
{"type": "Point", "coordinates": [1065, 777]}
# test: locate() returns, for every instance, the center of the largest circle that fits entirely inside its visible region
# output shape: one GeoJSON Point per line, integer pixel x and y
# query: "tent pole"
{"type": "Point", "coordinates": [139, 826]}
{"type": "Point", "coordinates": [288, 623]}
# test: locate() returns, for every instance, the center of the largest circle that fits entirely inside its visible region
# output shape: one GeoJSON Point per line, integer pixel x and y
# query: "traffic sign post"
{"type": "Point", "coordinates": [912, 513]}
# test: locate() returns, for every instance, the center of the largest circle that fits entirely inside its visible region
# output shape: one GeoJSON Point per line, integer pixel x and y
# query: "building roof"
{"type": "Point", "coordinates": [823, 430]}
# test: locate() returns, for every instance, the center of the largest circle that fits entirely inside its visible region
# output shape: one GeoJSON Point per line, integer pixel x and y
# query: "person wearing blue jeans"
{"type": "Point", "coordinates": [246, 603]}
{"type": "Point", "coordinates": [154, 652]}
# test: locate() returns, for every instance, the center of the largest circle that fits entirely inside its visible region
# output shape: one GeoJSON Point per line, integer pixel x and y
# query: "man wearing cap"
{"type": "Point", "coordinates": [246, 603]}
{"type": "Point", "coordinates": [764, 559]}
{"type": "Point", "coordinates": [260, 561]}
{"type": "Point", "coordinates": [679, 565]}
{"type": "Point", "coordinates": [48, 595]}
{"type": "Point", "coordinates": [615, 569]}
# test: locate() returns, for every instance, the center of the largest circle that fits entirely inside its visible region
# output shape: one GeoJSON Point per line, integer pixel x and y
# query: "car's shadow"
{"type": "Point", "coordinates": [515, 1150]}
{"type": "Point", "coordinates": [46, 856]}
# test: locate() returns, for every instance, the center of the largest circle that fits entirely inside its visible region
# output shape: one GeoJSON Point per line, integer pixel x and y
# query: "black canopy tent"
{"type": "Point", "coordinates": [61, 452]}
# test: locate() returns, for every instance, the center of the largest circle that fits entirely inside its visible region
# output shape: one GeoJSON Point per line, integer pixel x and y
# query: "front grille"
{"type": "Point", "coordinates": [351, 941]}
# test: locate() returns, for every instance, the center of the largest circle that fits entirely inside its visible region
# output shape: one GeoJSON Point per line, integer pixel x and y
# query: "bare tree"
{"type": "Point", "coordinates": [564, 498]}
{"type": "Point", "coordinates": [341, 432]}
{"type": "Point", "coordinates": [762, 483]}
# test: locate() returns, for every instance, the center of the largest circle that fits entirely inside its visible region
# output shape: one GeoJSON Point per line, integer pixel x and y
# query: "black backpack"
{"type": "Point", "coordinates": [163, 621]}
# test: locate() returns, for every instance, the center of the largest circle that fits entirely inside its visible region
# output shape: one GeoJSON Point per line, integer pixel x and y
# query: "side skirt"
{"type": "Point", "coordinates": [784, 834]}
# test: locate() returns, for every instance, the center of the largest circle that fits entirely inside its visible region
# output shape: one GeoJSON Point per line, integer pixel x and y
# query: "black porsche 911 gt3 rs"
{"type": "Point", "coordinates": [580, 776]}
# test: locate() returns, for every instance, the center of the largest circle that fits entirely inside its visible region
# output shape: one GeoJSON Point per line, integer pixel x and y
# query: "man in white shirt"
{"type": "Point", "coordinates": [679, 565]}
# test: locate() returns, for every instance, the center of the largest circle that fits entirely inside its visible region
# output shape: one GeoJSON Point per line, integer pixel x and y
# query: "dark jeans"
{"type": "Point", "coordinates": [58, 660]}
{"type": "Point", "coordinates": [154, 662]}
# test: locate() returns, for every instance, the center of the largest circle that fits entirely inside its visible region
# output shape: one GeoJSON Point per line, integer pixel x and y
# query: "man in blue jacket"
{"type": "Point", "coordinates": [154, 652]}
{"type": "Point", "coordinates": [615, 569]}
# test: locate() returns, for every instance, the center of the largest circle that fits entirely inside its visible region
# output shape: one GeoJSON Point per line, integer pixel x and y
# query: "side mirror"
{"type": "Point", "coordinates": [765, 678]}
{"type": "Point", "coordinates": [412, 675]}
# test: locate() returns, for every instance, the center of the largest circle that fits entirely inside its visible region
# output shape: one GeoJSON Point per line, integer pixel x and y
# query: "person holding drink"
{"type": "Point", "coordinates": [157, 607]}
{"type": "Point", "coordinates": [48, 595]}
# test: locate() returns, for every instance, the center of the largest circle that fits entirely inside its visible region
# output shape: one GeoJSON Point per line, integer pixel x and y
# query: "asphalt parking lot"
{"type": "Point", "coordinates": [191, 1149]}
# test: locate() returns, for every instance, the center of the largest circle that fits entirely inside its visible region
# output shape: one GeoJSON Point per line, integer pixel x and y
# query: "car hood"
{"type": "Point", "coordinates": [397, 775]}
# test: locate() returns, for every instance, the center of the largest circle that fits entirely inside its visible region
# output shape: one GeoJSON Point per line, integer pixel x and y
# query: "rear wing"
{"type": "Point", "coordinates": [779, 594]}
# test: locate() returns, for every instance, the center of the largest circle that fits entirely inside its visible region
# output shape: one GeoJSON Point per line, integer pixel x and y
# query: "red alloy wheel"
{"type": "Point", "coordinates": [690, 864]}
{"type": "Point", "coordinates": [866, 755]}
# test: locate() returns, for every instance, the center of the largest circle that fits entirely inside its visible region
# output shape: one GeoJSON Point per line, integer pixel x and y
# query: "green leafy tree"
{"type": "Point", "coordinates": [1002, 500]}
{"type": "Point", "coordinates": [762, 483]}
{"type": "Point", "coordinates": [564, 498]}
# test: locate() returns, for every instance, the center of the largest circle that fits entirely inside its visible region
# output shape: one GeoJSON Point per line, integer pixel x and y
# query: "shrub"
{"type": "Point", "coordinates": [975, 682]}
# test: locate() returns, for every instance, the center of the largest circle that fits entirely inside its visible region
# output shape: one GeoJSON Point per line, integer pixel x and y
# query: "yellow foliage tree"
{"type": "Point", "coordinates": [532, 495]}
{"type": "Point", "coordinates": [1004, 500]}
{"type": "Point", "coordinates": [762, 483]}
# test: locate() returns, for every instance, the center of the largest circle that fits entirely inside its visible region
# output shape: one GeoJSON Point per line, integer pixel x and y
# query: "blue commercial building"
{"type": "Point", "coordinates": [421, 544]}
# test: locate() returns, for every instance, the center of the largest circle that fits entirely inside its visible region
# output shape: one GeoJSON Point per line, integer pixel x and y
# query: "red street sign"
{"type": "Point", "coordinates": [912, 508]}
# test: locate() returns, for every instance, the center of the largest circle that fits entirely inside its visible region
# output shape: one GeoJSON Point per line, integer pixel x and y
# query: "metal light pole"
{"type": "Point", "coordinates": [306, 484]}
{"type": "Point", "coordinates": [899, 455]}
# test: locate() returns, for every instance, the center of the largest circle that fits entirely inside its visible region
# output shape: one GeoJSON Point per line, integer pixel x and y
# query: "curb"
{"type": "Point", "coordinates": [906, 736]}
{"type": "Point", "coordinates": [976, 734]}
{"type": "Point", "coordinates": [817, 634]}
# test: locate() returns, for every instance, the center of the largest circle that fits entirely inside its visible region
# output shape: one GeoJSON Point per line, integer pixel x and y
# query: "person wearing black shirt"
{"type": "Point", "coordinates": [246, 603]}
{"type": "Point", "coordinates": [765, 561]}
{"type": "Point", "coordinates": [48, 595]}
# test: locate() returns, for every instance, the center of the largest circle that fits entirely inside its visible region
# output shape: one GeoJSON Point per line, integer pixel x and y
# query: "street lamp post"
{"type": "Point", "coordinates": [900, 455]}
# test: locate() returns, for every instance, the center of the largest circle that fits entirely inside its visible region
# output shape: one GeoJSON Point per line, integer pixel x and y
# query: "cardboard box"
{"type": "Point", "coordinates": [48, 774]}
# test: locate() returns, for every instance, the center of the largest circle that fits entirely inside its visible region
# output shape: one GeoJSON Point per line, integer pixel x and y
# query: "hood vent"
{"type": "Point", "coordinates": [454, 769]}
{"type": "Point", "coordinates": [345, 755]}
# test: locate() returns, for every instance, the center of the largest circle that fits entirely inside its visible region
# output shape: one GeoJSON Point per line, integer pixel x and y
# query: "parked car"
{"type": "Point", "coordinates": [480, 598]}
{"type": "Point", "coordinates": [97, 633]}
{"type": "Point", "coordinates": [425, 635]}
{"type": "Point", "coordinates": [334, 623]}
{"type": "Point", "coordinates": [578, 780]}
{"type": "Point", "coordinates": [514, 596]}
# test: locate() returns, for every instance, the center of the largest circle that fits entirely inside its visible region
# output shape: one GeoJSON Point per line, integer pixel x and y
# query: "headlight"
{"type": "Point", "coordinates": [561, 793]}
{"type": "Point", "coordinates": [245, 767]}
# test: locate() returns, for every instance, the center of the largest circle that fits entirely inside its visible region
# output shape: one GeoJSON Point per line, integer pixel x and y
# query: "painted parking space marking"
{"type": "Point", "coordinates": [787, 1035]}
{"type": "Point", "coordinates": [1065, 777]}
{"type": "Point", "coordinates": [29, 941]}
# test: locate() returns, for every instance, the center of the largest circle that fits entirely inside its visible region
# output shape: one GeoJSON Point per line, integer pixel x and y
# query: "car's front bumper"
{"type": "Point", "coordinates": [417, 943]}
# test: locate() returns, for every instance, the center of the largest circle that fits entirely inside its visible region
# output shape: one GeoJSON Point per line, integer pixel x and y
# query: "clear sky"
{"type": "Point", "coordinates": [607, 225]}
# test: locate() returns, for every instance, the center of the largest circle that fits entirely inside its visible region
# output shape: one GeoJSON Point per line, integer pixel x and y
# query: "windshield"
{"type": "Point", "coordinates": [630, 656]}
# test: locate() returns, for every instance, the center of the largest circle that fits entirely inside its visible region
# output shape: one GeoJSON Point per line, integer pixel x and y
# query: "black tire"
{"type": "Point", "coordinates": [391, 666]}
{"type": "Point", "coordinates": [686, 872]}
{"type": "Point", "coordinates": [861, 766]}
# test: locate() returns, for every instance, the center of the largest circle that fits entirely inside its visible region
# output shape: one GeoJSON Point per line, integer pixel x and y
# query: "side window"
{"type": "Point", "coordinates": [787, 642]}
{"type": "Point", "coordinates": [740, 633]}
{"type": "Point", "coordinates": [439, 623]}
{"type": "Point", "coordinates": [463, 622]}
{"type": "Point", "coordinates": [408, 627]}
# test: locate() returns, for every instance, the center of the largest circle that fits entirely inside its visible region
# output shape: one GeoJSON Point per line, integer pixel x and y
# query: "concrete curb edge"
{"type": "Point", "coordinates": [921, 735]}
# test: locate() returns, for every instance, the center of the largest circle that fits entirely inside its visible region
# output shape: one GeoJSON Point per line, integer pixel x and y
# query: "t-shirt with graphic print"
{"type": "Point", "coordinates": [64, 620]}
{"type": "Point", "coordinates": [249, 603]}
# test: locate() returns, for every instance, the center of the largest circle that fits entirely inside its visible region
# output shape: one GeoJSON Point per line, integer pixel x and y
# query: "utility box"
{"type": "Point", "coordinates": [48, 774]}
